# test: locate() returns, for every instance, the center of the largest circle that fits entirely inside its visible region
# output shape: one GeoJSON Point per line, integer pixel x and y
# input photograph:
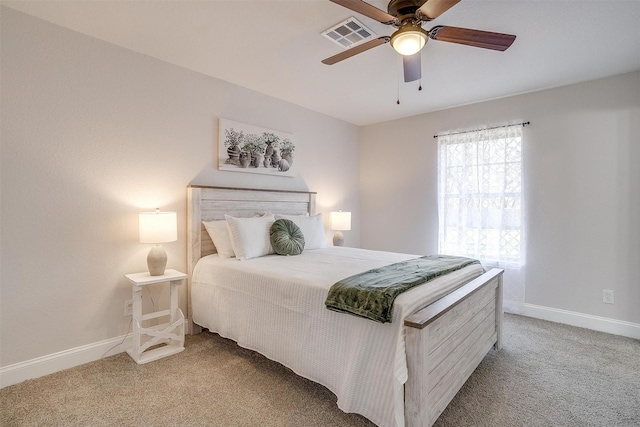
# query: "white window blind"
{"type": "Point", "coordinates": [481, 199]}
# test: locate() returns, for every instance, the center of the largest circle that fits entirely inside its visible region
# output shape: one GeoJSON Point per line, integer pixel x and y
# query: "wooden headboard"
{"type": "Point", "coordinates": [212, 203]}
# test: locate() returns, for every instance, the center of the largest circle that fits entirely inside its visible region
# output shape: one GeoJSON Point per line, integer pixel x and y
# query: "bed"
{"type": "Point", "coordinates": [395, 374]}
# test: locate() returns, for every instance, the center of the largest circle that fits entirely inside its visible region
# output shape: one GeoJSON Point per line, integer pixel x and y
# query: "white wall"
{"type": "Point", "coordinates": [92, 134]}
{"type": "Point", "coordinates": [582, 170]}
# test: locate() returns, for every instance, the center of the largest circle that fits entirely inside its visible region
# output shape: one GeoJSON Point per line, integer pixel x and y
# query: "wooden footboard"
{"type": "Point", "coordinates": [445, 343]}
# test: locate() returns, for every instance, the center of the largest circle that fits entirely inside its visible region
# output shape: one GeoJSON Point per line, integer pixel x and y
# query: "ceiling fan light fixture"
{"type": "Point", "coordinates": [409, 39]}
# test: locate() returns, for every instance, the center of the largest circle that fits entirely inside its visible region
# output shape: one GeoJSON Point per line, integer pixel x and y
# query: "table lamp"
{"type": "Point", "coordinates": [157, 227]}
{"type": "Point", "coordinates": [340, 221]}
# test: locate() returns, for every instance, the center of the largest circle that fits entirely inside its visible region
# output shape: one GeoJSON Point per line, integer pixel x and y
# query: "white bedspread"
{"type": "Point", "coordinates": [275, 306]}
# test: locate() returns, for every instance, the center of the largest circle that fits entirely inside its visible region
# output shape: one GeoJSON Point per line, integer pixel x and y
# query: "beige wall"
{"type": "Point", "coordinates": [582, 180]}
{"type": "Point", "coordinates": [91, 135]}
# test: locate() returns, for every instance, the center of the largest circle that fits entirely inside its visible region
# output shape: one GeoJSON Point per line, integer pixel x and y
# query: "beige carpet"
{"type": "Point", "coordinates": [546, 375]}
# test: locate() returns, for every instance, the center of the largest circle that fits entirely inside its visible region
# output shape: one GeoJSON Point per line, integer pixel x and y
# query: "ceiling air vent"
{"type": "Point", "coordinates": [349, 33]}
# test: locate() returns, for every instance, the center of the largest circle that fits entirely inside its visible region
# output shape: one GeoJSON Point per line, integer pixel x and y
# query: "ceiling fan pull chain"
{"type": "Point", "coordinates": [398, 79]}
{"type": "Point", "coordinates": [420, 81]}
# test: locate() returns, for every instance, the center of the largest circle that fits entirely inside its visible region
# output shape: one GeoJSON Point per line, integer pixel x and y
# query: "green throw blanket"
{"type": "Point", "coordinates": [371, 294]}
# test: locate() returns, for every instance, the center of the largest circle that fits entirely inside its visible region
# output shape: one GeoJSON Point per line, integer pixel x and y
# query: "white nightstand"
{"type": "Point", "coordinates": [170, 333]}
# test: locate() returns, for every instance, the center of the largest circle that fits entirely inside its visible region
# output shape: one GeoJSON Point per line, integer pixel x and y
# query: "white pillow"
{"type": "Point", "coordinates": [312, 229]}
{"type": "Point", "coordinates": [250, 236]}
{"type": "Point", "coordinates": [219, 233]}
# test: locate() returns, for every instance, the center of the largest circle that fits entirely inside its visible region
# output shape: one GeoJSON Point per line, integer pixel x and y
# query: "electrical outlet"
{"type": "Point", "coordinates": [607, 296]}
{"type": "Point", "coordinates": [128, 307]}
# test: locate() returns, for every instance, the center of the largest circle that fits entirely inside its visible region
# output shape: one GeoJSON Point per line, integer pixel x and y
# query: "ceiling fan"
{"type": "Point", "coordinates": [409, 38]}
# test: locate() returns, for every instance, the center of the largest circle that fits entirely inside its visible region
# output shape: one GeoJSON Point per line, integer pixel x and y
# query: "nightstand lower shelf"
{"type": "Point", "coordinates": [169, 335]}
{"type": "Point", "coordinates": [156, 354]}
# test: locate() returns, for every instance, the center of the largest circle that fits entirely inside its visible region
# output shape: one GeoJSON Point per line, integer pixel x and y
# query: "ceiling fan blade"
{"type": "Point", "coordinates": [476, 38]}
{"type": "Point", "coordinates": [431, 9]}
{"type": "Point", "coordinates": [366, 9]}
{"type": "Point", "coordinates": [412, 65]}
{"type": "Point", "coordinates": [356, 50]}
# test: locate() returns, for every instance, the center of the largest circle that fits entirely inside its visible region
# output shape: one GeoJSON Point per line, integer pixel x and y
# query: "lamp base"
{"type": "Point", "coordinates": [157, 260]}
{"type": "Point", "coordinates": [338, 239]}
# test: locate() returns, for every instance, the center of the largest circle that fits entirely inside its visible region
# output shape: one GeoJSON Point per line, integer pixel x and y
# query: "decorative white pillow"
{"type": "Point", "coordinates": [250, 236]}
{"type": "Point", "coordinates": [312, 229]}
{"type": "Point", "coordinates": [219, 233]}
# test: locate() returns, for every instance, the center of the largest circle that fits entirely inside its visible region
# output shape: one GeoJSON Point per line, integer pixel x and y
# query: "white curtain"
{"type": "Point", "coordinates": [481, 203]}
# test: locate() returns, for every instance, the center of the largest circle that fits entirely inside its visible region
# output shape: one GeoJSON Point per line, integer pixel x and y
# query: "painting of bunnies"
{"type": "Point", "coordinates": [248, 148]}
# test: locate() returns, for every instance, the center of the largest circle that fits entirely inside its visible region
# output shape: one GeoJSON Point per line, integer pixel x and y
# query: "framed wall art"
{"type": "Point", "coordinates": [252, 149]}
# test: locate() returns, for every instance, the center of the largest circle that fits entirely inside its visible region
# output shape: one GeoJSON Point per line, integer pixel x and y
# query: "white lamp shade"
{"type": "Point", "coordinates": [409, 41]}
{"type": "Point", "coordinates": [340, 221]}
{"type": "Point", "coordinates": [158, 227]}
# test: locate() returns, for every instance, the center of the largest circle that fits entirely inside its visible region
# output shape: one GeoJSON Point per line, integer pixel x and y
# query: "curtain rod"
{"type": "Point", "coordinates": [476, 130]}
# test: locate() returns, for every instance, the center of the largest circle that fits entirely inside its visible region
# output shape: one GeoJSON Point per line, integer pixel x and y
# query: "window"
{"type": "Point", "coordinates": [480, 194]}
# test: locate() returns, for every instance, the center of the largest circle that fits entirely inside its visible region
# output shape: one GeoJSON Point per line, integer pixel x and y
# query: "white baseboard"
{"type": "Point", "coordinates": [602, 324]}
{"type": "Point", "coordinates": [62, 360]}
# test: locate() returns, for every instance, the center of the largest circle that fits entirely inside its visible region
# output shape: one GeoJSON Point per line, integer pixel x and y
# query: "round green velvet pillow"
{"type": "Point", "coordinates": [286, 237]}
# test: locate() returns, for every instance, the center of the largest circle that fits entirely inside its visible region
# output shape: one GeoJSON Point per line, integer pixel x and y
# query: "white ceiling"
{"type": "Point", "coordinates": [275, 47]}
